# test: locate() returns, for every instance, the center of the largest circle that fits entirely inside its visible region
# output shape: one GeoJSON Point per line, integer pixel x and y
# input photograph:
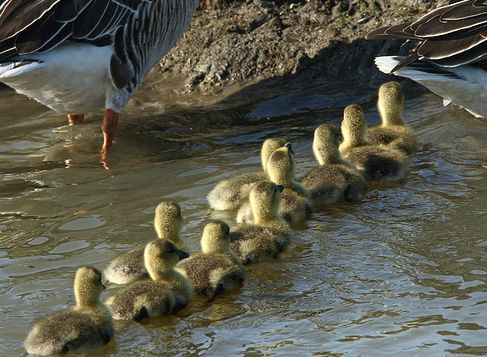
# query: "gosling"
{"type": "Point", "coordinates": [86, 325]}
{"type": "Point", "coordinates": [129, 266]}
{"type": "Point", "coordinates": [295, 203]}
{"type": "Point", "coordinates": [216, 269]}
{"type": "Point", "coordinates": [166, 292]}
{"type": "Point", "coordinates": [269, 234]}
{"type": "Point", "coordinates": [392, 131]}
{"type": "Point", "coordinates": [378, 163]}
{"type": "Point", "coordinates": [335, 179]}
{"type": "Point", "coordinates": [231, 193]}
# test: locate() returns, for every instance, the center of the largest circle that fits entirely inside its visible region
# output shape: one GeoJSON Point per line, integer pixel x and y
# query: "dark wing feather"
{"type": "Point", "coordinates": [16, 15]}
{"type": "Point", "coordinates": [28, 26]}
{"type": "Point", "coordinates": [27, 41]}
{"type": "Point", "coordinates": [450, 36]}
{"type": "Point", "coordinates": [70, 10]}
{"type": "Point", "coordinates": [402, 31]}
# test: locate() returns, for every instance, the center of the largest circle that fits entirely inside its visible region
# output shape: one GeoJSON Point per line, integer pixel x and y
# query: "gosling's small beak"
{"type": "Point", "coordinates": [280, 188]}
{"type": "Point", "coordinates": [340, 136]}
{"type": "Point", "coordinates": [289, 147]}
{"type": "Point", "coordinates": [183, 255]}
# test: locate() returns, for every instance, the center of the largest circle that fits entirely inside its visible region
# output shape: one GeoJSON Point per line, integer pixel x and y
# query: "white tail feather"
{"type": "Point", "coordinates": [387, 63]}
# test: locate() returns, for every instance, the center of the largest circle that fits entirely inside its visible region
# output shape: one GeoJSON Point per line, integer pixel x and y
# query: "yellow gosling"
{"type": "Point", "coordinates": [231, 193]}
{"type": "Point", "coordinates": [166, 292]}
{"type": "Point", "coordinates": [269, 234]}
{"type": "Point", "coordinates": [86, 325]}
{"type": "Point", "coordinates": [335, 179]}
{"type": "Point", "coordinates": [129, 266]}
{"type": "Point", "coordinates": [378, 163]}
{"type": "Point", "coordinates": [295, 202]}
{"type": "Point", "coordinates": [392, 131]}
{"type": "Point", "coordinates": [216, 269]}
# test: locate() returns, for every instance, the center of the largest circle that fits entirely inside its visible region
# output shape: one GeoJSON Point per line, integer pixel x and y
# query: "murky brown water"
{"type": "Point", "coordinates": [402, 272]}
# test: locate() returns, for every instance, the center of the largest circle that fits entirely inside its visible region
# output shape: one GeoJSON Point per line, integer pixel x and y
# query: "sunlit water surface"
{"type": "Point", "coordinates": [402, 272]}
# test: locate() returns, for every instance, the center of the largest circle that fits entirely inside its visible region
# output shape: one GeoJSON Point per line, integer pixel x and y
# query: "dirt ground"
{"type": "Point", "coordinates": [235, 43]}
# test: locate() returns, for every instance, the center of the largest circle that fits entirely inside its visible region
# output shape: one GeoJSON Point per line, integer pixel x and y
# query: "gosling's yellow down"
{"type": "Point", "coordinates": [295, 203]}
{"type": "Point", "coordinates": [166, 292]}
{"type": "Point", "coordinates": [336, 179]}
{"type": "Point", "coordinates": [216, 269]}
{"type": "Point", "coordinates": [269, 234]}
{"type": "Point", "coordinates": [88, 324]}
{"type": "Point", "coordinates": [392, 131]}
{"type": "Point", "coordinates": [129, 266]}
{"type": "Point", "coordinates": [231, 193]}
{"type": "Point", "coordinates": [378, 163]}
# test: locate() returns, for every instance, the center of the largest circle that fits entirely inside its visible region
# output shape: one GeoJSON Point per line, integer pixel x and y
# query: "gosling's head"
{"type": "Point", "coordinates": [88, 286]}
{"type": "Point", "coordinates": [327, 139]}
{"type": "Point", "coordinates": [265, 197]}
{"type": "Point", "coordinates": [391, 103]}
{"type": "Point", "coordinates": [354, 126]}
{"type": "Point", "coordinates": [168, 220]}
{"type": "Point", "coordinates": [216, 238]}
{"type": "Point", "coordinates": [268, 147]}
{"type": "Point", "coordinates": [281, 165]}
{"type": "Point", "coordinates": [160, 256]}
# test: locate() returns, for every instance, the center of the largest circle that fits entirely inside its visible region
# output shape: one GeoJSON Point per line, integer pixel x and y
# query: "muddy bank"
{"type": "Point", "coordinates": [284, 42]}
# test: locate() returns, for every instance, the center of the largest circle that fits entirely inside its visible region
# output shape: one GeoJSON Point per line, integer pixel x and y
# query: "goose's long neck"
{"type": "Point", "coordinates": [143, 41]}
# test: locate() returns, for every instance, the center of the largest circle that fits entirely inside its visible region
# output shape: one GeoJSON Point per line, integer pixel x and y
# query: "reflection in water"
{"type": "Point", "coordinates": [404, 271]}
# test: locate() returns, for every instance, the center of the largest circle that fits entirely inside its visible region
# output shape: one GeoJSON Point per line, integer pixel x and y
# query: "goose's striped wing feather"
{"type": "Point", "coordinates": [17, 15]}
{"type": "Point", "coordinates": [451, 35]}
{"type": "Point", "coordinates": [146, 38]}
{"type": "Point", "coordinates": [28, 26]}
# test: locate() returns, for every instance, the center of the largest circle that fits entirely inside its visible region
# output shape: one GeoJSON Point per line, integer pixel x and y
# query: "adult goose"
{"type": "Point", "coordinates": [450, 58]}
{"type": "Point", "coordinates": [75, 56]}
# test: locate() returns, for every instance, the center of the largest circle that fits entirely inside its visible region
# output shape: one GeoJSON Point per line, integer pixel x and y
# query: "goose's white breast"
{"type": "Point", "coordinates": [71, 78]}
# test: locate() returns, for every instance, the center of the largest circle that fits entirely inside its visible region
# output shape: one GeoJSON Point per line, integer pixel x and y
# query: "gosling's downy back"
{"type": "Point", "coordinates": [281, 166]}
{"type": "Point", "coordinates": [353, 127]}
{"type": "Point", "coordinates": [265, 198]}
{"type": "Point", "coordinates": [392, 132]}
{"type": "Point", "coordinates": [168, 220]}
{"type": "Point", "coordinates": [216, 268]}
{"type": "Point", "coordinates": [268, 147]}
{"type": "Point", "coordinates": [88, 287]}
{"type": "Point", "coordinates": [326, 141]}
{"type": "Point", "coordinates": [231, 193]}
{"type": "Point", "coordinates": [88, 324]}
{"type": "Point", "coordinates": [390, 104]}
{"type": "Point", "coordinates": [215, 238]}
{"type": "Point", "coordinates": [166, 292]}
{"type": "Point", "coordinates": [160, 257]}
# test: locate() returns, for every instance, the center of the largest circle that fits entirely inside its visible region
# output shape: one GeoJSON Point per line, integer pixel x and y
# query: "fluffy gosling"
{"type": "Point", "coordinates": [166, 292]}
{"type": "Point", "coordinates": [392, 131]}
{"type": "Point", "coordinates": [335, 179]}
{"type": "Point", "coordinates": [269, 234]}
{"type": "Point", "coordinates": [129, 266]}
{"type": "Point", "coordinates": [86, 325]}
{"type": "Point", "coordinates": [295, 204]}
{"type": "Point", "coordinates": [231, 193]}
{"type": "Point", "coordinates": [378, 163]}
{"type": "Point", "coordinates": [216, 269]}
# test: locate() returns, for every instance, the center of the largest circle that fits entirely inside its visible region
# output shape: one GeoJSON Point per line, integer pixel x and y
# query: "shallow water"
{"type": "Point", "coordinates": [402, 272]}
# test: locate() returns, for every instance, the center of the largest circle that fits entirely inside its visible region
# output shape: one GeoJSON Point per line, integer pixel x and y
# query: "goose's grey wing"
{"type": "Point", "coordinates": [449, 36]}
{"type": "Point", "coordinates": [28, 26]}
